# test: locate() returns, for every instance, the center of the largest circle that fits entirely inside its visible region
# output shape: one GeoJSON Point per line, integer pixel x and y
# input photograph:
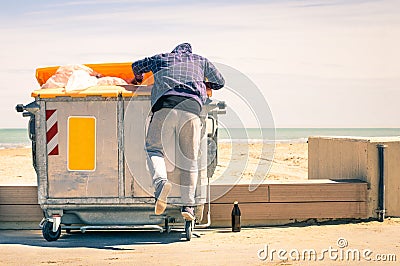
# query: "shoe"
{"type": "Point", "coordinates": [188, 213]}
{"type": "Point", "coordinates": [162, 192]}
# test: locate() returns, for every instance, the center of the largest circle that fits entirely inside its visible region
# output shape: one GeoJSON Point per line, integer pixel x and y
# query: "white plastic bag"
{"type": "Point", "coordinates": [63, 73]}
{"type": "Point", "coordinates": [111, 81]}
{"type": "Point", "coordinates": [80, 80]}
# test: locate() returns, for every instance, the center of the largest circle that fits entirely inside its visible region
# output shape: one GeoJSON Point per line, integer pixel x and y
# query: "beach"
{"type": "Point", "coordinates": [16, 167]}
{"type": "Point", "coordinates": [215, 246]}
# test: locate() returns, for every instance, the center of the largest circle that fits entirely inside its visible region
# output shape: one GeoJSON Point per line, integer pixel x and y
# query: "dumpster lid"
{"type": "Point", "coordinates": [102, 91]}
{"type": "Point", "coordinates": [120, 70]}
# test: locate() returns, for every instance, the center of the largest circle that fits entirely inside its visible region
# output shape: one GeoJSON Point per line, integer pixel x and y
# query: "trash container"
{"type": "Point", "coordinates": [88, 153]}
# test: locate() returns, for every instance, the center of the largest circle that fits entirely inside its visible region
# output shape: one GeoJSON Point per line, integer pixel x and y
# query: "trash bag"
{"type": "Point", "coordinates": [80, 80]}
{"type": "Point", "coordinates": [111, 81]}
{"type": "Point", "coordinates": [63, 73]}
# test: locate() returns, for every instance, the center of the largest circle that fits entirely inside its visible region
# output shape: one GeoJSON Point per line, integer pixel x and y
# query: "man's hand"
{"type": "Point", "coordinates": [137, 79]}
{"type": "Point", "coordinates": [136, 82]}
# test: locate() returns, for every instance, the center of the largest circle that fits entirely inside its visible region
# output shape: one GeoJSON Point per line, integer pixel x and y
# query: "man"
{"type": "Point", "coordinates": [177, 98]}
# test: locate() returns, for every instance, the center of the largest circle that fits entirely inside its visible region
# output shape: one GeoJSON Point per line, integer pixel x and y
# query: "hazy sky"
{"type": "Point", "coordinates": [318, 63]}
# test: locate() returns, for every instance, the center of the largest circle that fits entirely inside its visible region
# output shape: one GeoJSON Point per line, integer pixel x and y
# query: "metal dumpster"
{"type": "Point", "coordinates": [88, 153]}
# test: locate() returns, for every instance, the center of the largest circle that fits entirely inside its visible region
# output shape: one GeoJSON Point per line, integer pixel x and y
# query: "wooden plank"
{"type": "Point", "coordinates": [263, 212]}
{"type": "Point", "coordinates": [18, 195]}
{"type": "Point", "coordinates": [392, 180]}
{"type": "Point", "coordinates": [229, 193]}
{"type": "Point", "coordinates": [313, 192]}
{"type": "Point", "coordinates": [313, 161]}
{"type": "Point", "coordinates": [362, 157]}
{"type": "Point", "coordinates": [20, 213]}
{"type": "Point", "coordinates": [317, 154]}
{"type": "Point", "coordinates": [14, 225]}
{"type": "Point", "coordinates": [344, 158]}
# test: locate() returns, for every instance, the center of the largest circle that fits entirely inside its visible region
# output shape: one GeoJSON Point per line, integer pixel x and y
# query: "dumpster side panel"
{"type": "Point", "coordinates": [138, 182]}
{"type": "Point", "coordinates": [102, 179]}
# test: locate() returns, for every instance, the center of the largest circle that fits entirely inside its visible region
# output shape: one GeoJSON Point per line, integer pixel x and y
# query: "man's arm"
{"type": "Point", "coordinates": [214, 78]}
{"type": "Point", "coordinates": [140, 67]}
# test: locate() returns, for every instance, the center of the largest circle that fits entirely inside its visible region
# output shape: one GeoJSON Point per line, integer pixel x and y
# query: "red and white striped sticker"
{"type": "Point", "coordinates": [52, 132]}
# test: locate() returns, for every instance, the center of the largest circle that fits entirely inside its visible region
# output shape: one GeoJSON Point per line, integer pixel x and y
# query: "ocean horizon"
{"type": "Point", "coordinates": [18, 137]}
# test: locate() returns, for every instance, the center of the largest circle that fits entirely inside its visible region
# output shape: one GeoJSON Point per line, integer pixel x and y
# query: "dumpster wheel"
{"type": "Point", "coordinates": [48, 233]}
{"type": "Point", "coordinates": [188, 229]}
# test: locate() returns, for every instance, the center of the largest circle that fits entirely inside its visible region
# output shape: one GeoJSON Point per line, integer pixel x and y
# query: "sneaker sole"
{"type": "Point", "coordinates": [161, 203]}
{"type": "Point", "coordinates": [187, 216]}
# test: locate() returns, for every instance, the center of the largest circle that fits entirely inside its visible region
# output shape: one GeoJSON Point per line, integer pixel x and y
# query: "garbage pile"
{"type": "Point", "coordinates": [79, 77]}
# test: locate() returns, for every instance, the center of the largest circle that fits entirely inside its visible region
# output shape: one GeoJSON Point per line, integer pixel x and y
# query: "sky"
{"type": "Point", "coordinates": [317, 63]}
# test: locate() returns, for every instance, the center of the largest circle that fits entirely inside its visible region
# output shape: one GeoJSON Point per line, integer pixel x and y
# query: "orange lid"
{"type": "Point", "coordinates": [120, 70]}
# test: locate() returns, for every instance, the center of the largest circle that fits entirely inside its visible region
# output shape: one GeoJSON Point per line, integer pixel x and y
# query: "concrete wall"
{"type": "Point", "coordinates": [357, 158]}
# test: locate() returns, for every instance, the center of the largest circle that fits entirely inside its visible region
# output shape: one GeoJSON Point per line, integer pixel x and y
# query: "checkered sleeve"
{"type": "Point", "coordinates": [214, 78]}
{"type": "Point", "coordinates": [140, 67]}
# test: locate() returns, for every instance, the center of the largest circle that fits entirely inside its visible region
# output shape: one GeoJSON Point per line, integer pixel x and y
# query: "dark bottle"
{"type": "Point", "coordinates": [236, 217]}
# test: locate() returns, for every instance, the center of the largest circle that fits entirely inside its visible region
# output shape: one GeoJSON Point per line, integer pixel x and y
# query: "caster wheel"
{"type": "Point", "coordinates": [188, 230]}
{"type": "Point", "coordinates": [48, 233]}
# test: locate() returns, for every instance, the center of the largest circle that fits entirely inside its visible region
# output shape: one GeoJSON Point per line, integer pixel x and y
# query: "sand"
{"type": "Point", "coordinates": [262, 162]}
{"type": "Point", "coordinates": [16, 167]}
{"type": "Point", "coordinates": [215, 246]}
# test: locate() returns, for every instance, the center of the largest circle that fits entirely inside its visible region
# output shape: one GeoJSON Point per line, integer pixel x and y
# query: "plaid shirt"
{"type": "Point", "coordinates": [179, 73]}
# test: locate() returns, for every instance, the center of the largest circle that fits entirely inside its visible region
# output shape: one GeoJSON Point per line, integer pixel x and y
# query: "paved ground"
{"type": "Point", "coordinates": [214, 247]}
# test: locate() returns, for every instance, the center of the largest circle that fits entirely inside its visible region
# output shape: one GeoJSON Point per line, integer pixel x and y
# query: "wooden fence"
{"type": "Point", "coordinates": [271, 203]}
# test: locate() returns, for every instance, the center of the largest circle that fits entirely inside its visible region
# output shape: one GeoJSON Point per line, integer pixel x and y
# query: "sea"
{"type": "Point", "coordinates": [281, 135]}
{"type": "Point", "coordinates": [14, 138]}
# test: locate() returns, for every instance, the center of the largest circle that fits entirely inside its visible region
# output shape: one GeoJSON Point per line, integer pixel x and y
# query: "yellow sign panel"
{"type": "Point", "coordinates": [81, 143]}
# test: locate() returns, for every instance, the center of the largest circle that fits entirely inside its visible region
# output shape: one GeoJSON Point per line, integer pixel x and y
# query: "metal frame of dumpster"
{"type": "Point", "coordinates": [69, 198]}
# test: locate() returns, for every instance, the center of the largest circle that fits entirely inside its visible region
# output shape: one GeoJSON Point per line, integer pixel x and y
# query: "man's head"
{"type": "Point", "coordinates": [183, 48]}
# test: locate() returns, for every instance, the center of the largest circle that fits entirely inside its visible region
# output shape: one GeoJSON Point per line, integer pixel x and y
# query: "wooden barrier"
{"type": "Point", "coordinates": [271, 203]}
{"type": "Point", "coordinates": [19, 208]}
{"type": "Point", "coordinates": [357, 157]}
{"type": "Point", "coordinates": [285, 202]}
